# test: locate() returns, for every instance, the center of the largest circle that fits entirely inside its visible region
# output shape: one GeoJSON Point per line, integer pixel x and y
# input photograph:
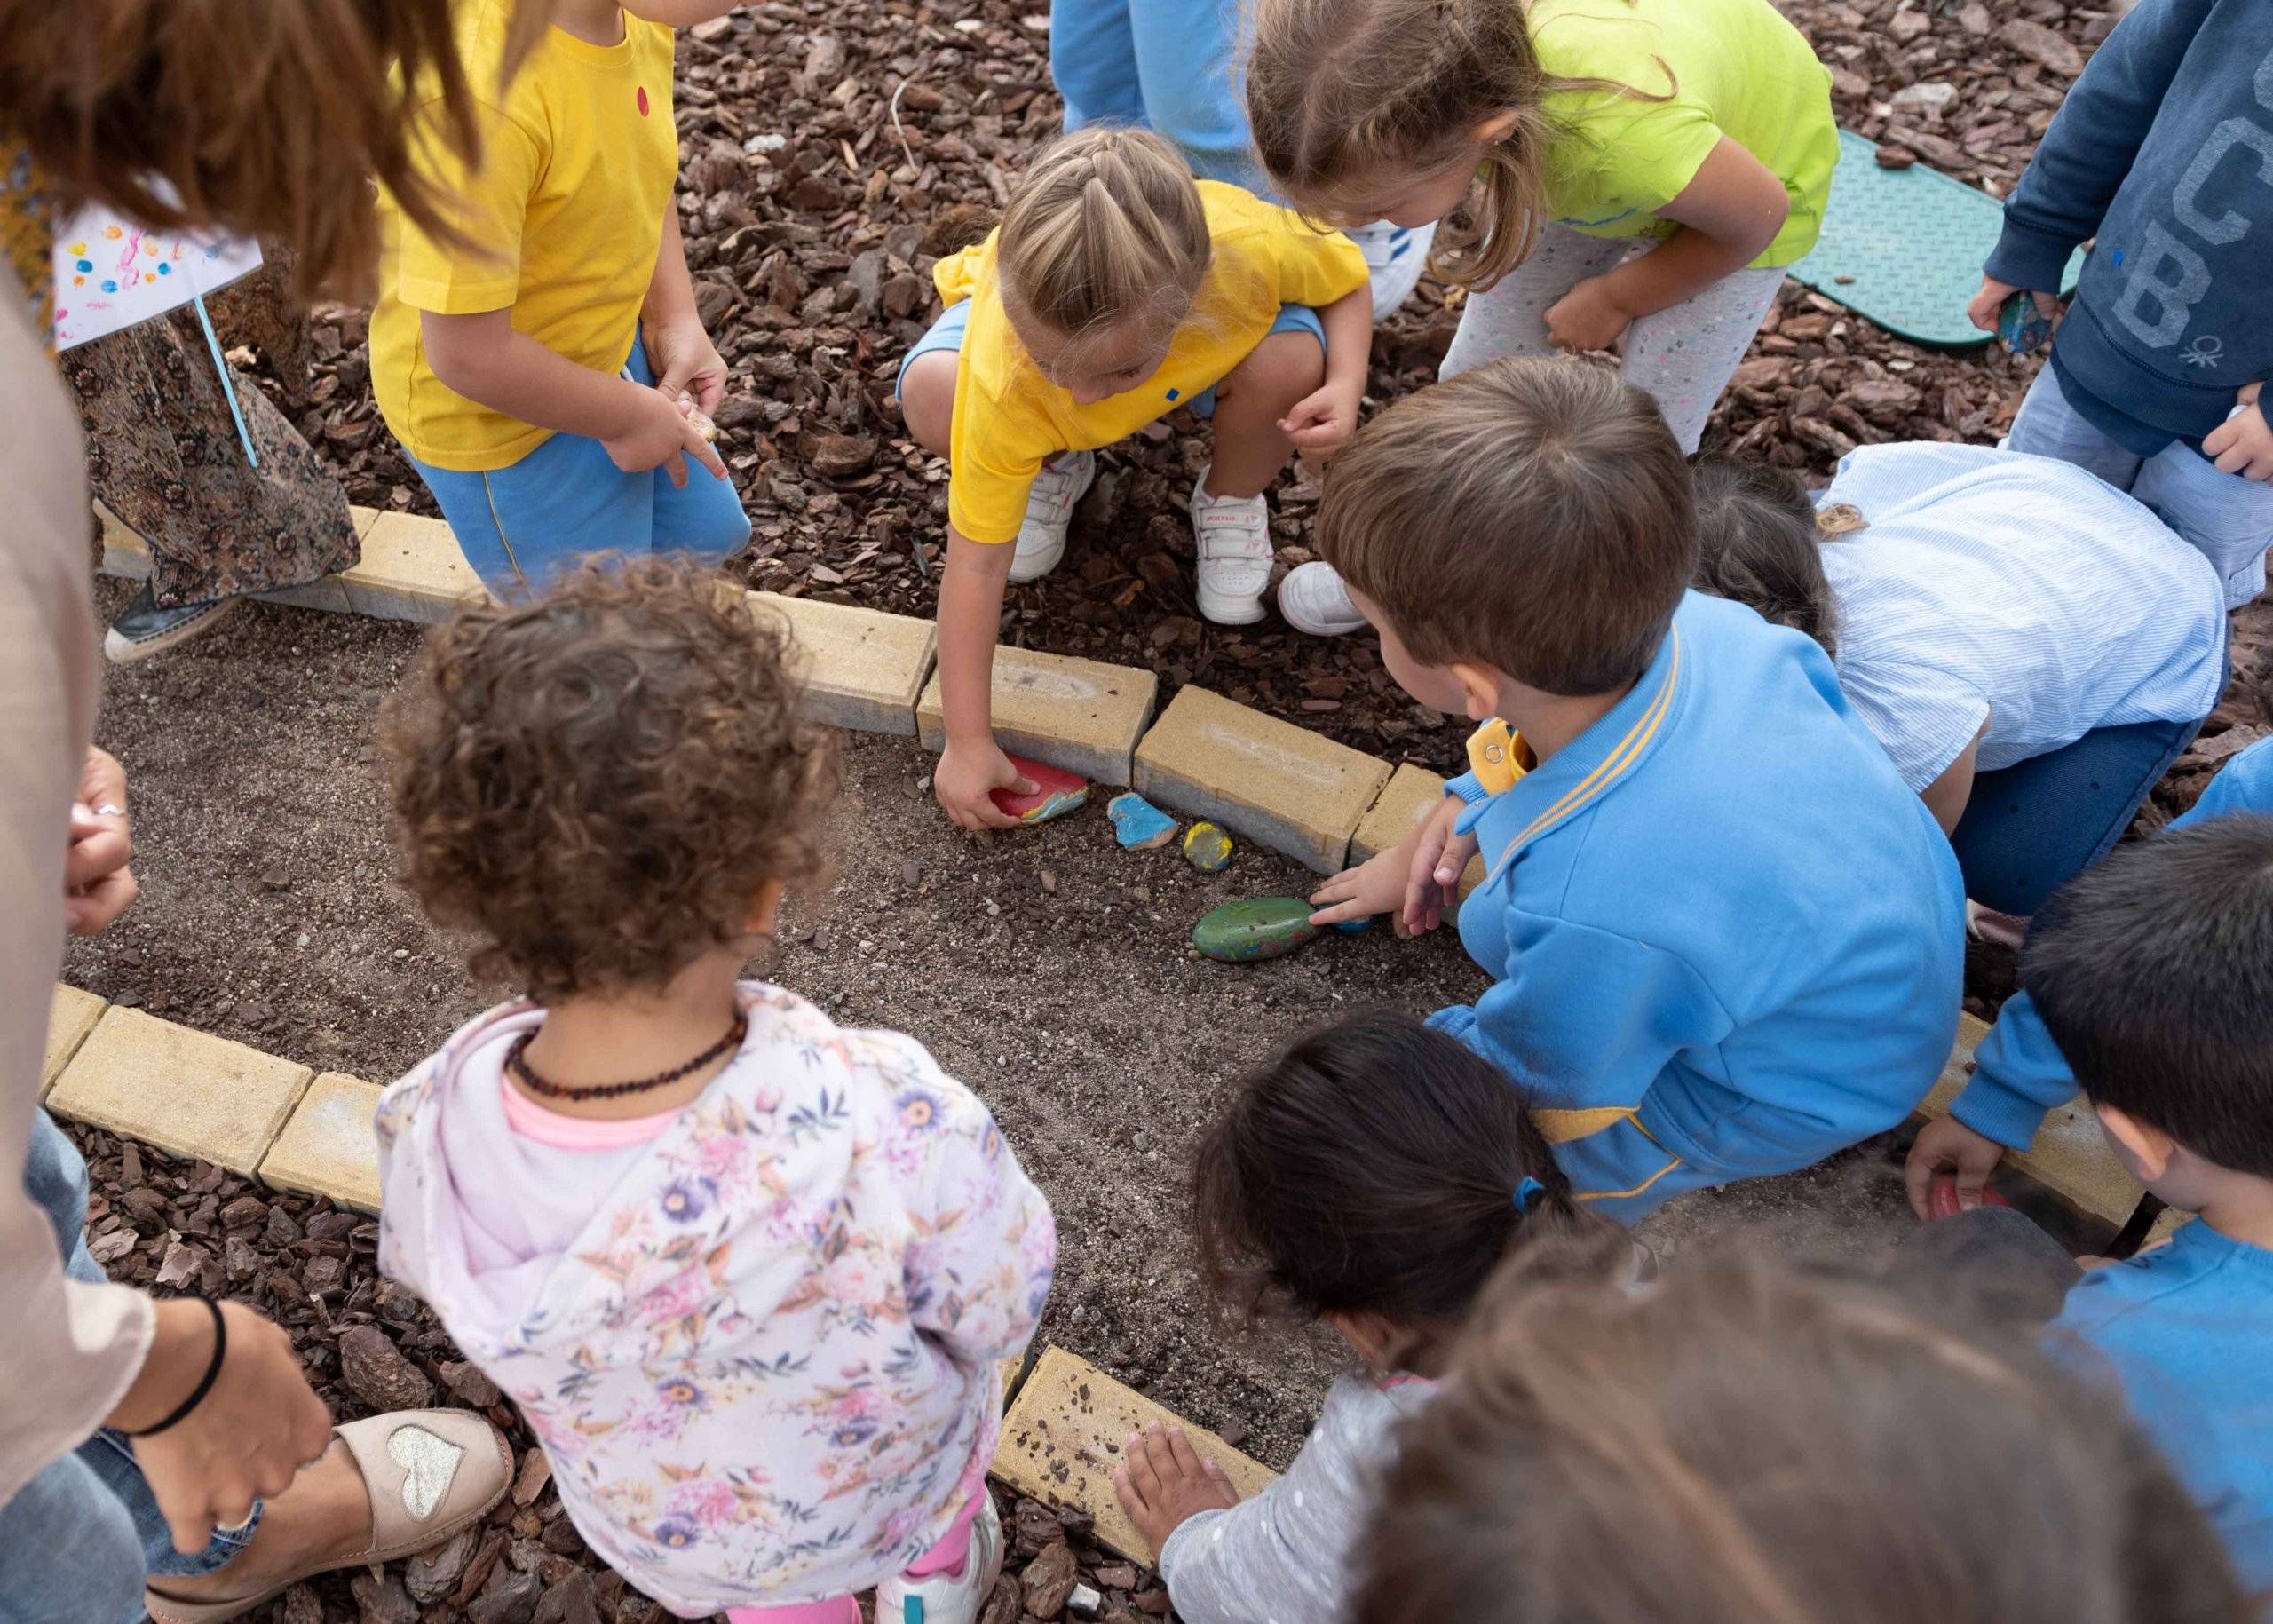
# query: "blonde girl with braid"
{"type": "Point", "coordinates": [1116, 290]}
{"type": "Point", "coordinates": [1613, 174]}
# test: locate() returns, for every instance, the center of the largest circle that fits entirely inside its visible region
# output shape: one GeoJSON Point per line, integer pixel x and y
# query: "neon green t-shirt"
{"type": "Point", "coordinates": [1732, 68]}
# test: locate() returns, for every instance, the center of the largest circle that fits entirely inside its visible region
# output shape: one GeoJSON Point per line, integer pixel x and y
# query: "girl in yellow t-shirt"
{"type": "Point", "coordinates": [1117, 289]}
{"type": "Point", "coordinates": [1574, 131]}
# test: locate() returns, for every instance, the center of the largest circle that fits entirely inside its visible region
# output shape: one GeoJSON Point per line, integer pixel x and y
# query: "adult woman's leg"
{"type": "Point", "coordinates": [2031, 828]}
{"type": "Point", "coordinates": [1093, 62]}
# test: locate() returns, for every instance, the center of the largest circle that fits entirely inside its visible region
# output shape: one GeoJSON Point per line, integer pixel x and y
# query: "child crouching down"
{"type": "Point", "coordinates": [1725, 938]}
{"type": "Point", "coordinates": [1116, 290]}
{"type": "Point", "coordinates": [1373, 1176]}
{"type": "Point", "coordinates": [748, 1273]}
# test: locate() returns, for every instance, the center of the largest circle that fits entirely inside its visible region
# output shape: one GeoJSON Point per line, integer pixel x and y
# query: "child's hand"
{"type": "Point", "coordinates": [686, 362]}
{"type": "Point", "coordinates": [1166, 1481]}
{"type": "Point", "coordinates": [1984, 310]}
{"type": "Point", "coordinates": [1440, 858]}
{"type": "Point", "coordinates": [656, 433]}
{"type": "Point", "coordinates": [1947, 1145]}
{"type": "Point", "coordinates": [1589, 317]}
{"type": "Point", "coordinates": [2242, 443]}
{"type": "Point", "coordinates": [965, 780]}
{"type": "Point", "coordinates": [1321, 421]}
{"type": "Point", "coordinates": [1374, 886]}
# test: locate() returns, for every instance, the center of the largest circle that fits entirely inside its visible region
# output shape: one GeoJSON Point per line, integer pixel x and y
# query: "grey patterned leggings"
{"type": "Point", "coordinates": [1683, 355]}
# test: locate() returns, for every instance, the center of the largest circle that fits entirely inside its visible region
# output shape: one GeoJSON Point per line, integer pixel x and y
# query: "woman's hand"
{"type": "Point", "coordinates": [965, 781]}
{"type": "Point", "coordinates": [98, 885]}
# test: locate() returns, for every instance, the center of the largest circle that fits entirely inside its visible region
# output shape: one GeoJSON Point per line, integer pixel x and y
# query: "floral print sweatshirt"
{"type": "Point", "coordinates": [767, 1357]}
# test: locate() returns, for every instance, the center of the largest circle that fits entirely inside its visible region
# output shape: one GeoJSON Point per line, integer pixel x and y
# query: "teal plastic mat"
{"type": "Point", "coordinates": [1906, 247]}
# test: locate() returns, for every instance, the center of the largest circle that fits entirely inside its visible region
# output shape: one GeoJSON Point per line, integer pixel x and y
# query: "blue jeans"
{"type": "Point", "coordinates": [78, 1540]}
{"type": "Point", "coordinates": [1172, 66]}
{"type": "Point", "coordinates": [2031, 828]}
{"type": "Point", "coordinates": [521, 525]}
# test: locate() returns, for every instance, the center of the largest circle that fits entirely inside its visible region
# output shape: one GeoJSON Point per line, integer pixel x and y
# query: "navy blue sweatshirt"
{"type": "Point", "coordinates": [2164, 148]}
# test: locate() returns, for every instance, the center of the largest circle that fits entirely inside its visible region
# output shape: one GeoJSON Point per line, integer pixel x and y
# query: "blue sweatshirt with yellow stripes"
{"type": "Point", "coordinates": [1726, 939]}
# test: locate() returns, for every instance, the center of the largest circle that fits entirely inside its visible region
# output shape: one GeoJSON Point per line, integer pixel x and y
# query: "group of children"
{"type": "Point", "coordinates": [1741, 756]}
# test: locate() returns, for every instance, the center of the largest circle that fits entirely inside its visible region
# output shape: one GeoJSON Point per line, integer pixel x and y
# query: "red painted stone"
{"type": "Point", "coordinates": [1940, 1200]}
{"type": "Point", "coordinates": [1056, 792]}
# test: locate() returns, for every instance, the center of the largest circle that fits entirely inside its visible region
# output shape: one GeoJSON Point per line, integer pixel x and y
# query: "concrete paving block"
{"type": "Point", "coordinates": [2167, 1223]}
{"type": "Point", "coordinates": [864, 669]}
{"type": "Point", "coordinates": [328, 1146]}
{"type": "Point", "coordinates": [1281, 785]}
{"type": "Point", "coordinates": [412, 570]}
{"type": "Point", "coordinates": [364, 518]}
{"type": "Point", "coordinates": [1063, 1438]}
{"type": "Point", "coordinates": [1080, 715]}
{"type": "Point", "coordinates": [2069, 1155]}
{"type": "Point", "coordinates": [181, 1090]}
{"type": "Point", "coordinates": [71, 1015]}
{"type": "Point", "coordinates": [1411, 795]}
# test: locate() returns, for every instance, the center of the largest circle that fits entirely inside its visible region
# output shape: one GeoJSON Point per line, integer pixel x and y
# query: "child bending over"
{"type": "Point", "coordinates": [1725, 938]}
{"type": "Point", "coordinates": [2033, 648]}
{"type": "Point", "coordinates": [540, 364]}
{"type": "Point", "coordinates": [1743, 1444]}
{"type": "Point", "coordinates": [1613, 173]}
{"type": "Point", "coordinates": [746, 1272]}
{"type": "Point", "coordinates": [1373, 1176]}
{"type": "Point", "coordinates": [1116, 290]}
{"type": "Point", "coordinates": [2153, 974]}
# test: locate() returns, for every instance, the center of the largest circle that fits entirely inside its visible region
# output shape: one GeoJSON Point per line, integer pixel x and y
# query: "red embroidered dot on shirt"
{"type": "Point", "coordinates": [643, 101]}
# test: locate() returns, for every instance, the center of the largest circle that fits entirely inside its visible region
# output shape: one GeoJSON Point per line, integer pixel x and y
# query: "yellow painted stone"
{"type": "Point", "coordinates": [863, 669]}
{"type": "Point", "coordinates": [181, 1090]}
{"type": "Point", "coordinates": [71, 1015]}
{"type": "Point", "coordinates": [328, 1146]}
{"type": "Point", "coordinates": [412, 570]}
{"type": "Point", "coordinates": [1281, 785]}
{"type": "Point", "coordinates": [1063, 1438]}
{"type": "Point", "coordinates": [1081, 715]}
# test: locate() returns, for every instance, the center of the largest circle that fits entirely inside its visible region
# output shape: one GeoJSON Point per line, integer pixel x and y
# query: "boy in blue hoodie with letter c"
{"type": "Point", "coordinates": [1726, 939]}
{"type": "Point", "coordinates": [2162, 152]}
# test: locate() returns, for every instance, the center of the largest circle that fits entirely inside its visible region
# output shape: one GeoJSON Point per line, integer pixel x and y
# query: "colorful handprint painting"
{"type": "Point", "coordinates": [112, 273]}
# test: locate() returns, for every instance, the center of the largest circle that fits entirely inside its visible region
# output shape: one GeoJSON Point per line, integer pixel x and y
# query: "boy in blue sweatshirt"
{"type": "Point", "coordinates": [2153, 974]}
{"type": "Point", "coordinates": [2018, 1072]}
{"type": "Point", "coordinates": [1725, 938]}
{"type": "Point", "coordinates": [2163, 152]}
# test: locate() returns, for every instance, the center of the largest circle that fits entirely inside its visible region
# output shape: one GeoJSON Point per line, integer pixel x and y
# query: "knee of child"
{"type": "Point", "coordinates": [927, 400]}
{"type": "Point", "coordinates": [1284, 368]}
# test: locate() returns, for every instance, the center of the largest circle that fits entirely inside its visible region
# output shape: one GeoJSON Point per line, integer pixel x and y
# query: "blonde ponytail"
{"type": "Point", "coordinates": [1108, 224]}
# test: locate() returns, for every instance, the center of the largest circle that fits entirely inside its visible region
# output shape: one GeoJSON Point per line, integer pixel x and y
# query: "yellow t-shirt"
{"type": "Point", "coordinates": [1009, 419]}
{"type": "Point", "coordinates": [1739, 69]}
{"type": "Point", "coordinates": [580, 153]}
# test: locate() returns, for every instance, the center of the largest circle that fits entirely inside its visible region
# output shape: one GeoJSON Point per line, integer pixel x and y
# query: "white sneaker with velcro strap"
{"type": "Point", "coordinates": [1050, 514]}
{"type": "Point", "coordinates": [1233, 535]}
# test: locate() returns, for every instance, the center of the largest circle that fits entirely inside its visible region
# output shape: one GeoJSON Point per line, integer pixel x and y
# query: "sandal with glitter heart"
{"type": "Point", "coordinates": [429, 1473]}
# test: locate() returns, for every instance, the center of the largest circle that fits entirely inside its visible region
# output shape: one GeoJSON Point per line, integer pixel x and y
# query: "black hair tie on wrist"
{"type": "Point", "coordinates": [204, 1382]}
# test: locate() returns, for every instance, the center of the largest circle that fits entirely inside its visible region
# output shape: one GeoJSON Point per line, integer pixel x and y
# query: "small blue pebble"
{"type": "Point", "coordinates": [1353, 927]}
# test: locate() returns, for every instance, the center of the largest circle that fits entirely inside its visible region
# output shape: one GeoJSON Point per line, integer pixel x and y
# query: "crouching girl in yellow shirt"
{"type": "Point", "coordinates": [1117, 289]}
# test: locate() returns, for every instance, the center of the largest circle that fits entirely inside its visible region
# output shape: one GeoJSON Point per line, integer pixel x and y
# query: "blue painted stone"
{"type": "Point", "coordinates": [1256, 928]}
{"type": "Point", "coordinates": [1137, 824]}
{"type": "Point", "coordinates": [1354, 927]}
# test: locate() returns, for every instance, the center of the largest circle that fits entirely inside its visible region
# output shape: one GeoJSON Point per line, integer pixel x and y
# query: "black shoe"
{"type": "Point", "coordinates": [143, 629]}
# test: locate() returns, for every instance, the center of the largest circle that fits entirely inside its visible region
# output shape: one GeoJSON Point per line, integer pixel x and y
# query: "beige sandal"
{"type": "Point", "coordinates": [429, 1474]}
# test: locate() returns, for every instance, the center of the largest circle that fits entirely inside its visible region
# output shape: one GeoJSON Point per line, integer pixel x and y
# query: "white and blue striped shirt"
{"type": "Point", "coordinates": [1991, 585]}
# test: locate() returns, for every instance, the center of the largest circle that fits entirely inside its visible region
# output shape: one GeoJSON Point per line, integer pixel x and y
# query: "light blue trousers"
{"type": "Point", "coordinates": [1171, 66]}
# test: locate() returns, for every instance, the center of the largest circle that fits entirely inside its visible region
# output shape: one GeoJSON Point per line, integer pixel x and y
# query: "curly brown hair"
{"type": "Point", "coordinates": [598, 780]}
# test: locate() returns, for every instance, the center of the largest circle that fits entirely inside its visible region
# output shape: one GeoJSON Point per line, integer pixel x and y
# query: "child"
{"type": "Point", "coordinates": [2033, 648]}
{"type": "Point", "coordinates": [1744, 1444]}
{"type": "Point", "coordinates": [2019, 1073]}
{"type": "Point", "coordinates": [541, 368]}
{"type": "Point", "coordinates": [1702, 127]}
{"type": "Point", "coordinates": [1117, 289]}
{"type": "Point", "coordinates": [2159, 155]}
{"type": "Point", "coordinates": [1172, 66]}
{"type": "Point", "coordinates": [1373, 1176]}
{"type": "Point", "coordinates": [1726, 939]}
{"type": "Point", "coordinates": [746, 1272]}
{"type": "Point", "coordinates": [2153, 974]}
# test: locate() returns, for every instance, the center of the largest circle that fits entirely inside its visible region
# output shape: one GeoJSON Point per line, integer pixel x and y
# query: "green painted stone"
{"type": "Point", "coordinates": [1258, 928]}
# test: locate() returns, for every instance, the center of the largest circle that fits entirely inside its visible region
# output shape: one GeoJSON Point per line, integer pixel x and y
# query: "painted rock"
{"type": "Point", "coordinates": [1941, 1200]}
{"type": "Point", "coordinates": [1258, 928]}
{"type": "Point", "coordinates": [1207, 848]}
{"type": "Point", "coordinates": [1137, 824]}
{"type": "Point", "coordinates": [1354, 927]}
{"type": "Point", "coordinates": [1056, 793]}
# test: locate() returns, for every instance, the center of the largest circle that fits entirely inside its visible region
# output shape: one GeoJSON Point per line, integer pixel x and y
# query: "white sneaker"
{"type": "Point", "coordinates": [942, 1600]}
{"type": "Point", "coordinates": [1050, 514]}
{"type": "Point", "coordinates": [1395, 257]}
{"type": "Point", "coordinates": [1313, 599]}
{"type": "Point", "coordinates": [1234, 537]}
